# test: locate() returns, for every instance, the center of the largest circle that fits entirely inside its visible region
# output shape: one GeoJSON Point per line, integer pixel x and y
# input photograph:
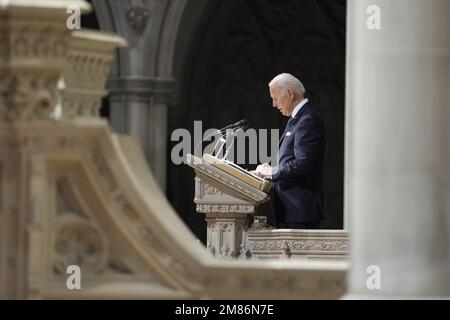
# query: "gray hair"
{"type": "Point", "coordinates": [288, 81]}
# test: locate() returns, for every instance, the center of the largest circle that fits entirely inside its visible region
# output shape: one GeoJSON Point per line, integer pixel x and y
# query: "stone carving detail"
{"type": "Point", "coordinates": [34, 42]}
{"type": "Point", "coordinates": [226, 227]}
{"type": "Point", "coordinates": [303, 245]}
{"type": "Point", "coordinates": [211, 191]}
{"type": "Point", "coordinates": [86, 73]}
{"type": "Point", "coordinates": [73, 224]}
{"type": "Point", "coordinates": [287, 253]}
{"type": "Point", "coordinates": [260, 223]}
{"type": "Point", "coordinates": [137, 17]}
{"type": "Point", "coordinates": [226, 251]}
{"type": "Point", "coordinates": [212, 226]}
{"type": "Point", "coordinates": [210, 248]}
{"type": "Point", "coordinates": [87, 68]}
{"type": "Point", "coordinates": [233, 183]}
{"type": "Point", "coordinates": [227, 215]}
{"type": "Point", "coordinates": [79, 242]}
{"type": "Point", "coordinates": [209, 208]}
{"type": "Point", "coordinates": [27, 95]}
{"type": "Point", "coordinates": [244, 253]}
{"type": "Point", "coordinates": [28, 92]}
{"type": "Point", "coordinates": [78, 106]}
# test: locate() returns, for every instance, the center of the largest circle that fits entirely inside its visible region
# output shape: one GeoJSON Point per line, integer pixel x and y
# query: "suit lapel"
{"type": "Point", "coordinates": [286, 131]}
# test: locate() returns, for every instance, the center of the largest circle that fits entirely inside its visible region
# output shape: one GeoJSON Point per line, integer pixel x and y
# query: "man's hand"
{"type": "Point", "coordinates": [255, 173]}
{"type": "Point", "coordinates": [264, 171]}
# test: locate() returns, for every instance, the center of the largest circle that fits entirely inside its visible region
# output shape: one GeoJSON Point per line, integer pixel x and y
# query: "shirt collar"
{"type": "Point", "coordinates": [298, 107]}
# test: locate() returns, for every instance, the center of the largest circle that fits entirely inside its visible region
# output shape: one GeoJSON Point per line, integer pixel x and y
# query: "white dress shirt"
{"type": "Point", "coordinates": [298, 107]}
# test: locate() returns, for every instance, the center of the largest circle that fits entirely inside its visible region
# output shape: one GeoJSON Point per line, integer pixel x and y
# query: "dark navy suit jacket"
{"type": "Point", "coordinates": [299, 184]}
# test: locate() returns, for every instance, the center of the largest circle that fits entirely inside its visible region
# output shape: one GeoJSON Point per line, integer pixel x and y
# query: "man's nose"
{"type": "Point", "coordinates": [274, 104]}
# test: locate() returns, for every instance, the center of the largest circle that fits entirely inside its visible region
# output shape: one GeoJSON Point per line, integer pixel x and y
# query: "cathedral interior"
{"type": "Point", "coordinates": [221, 71]}
{"type": "Point", "coordinates": [87, 112]}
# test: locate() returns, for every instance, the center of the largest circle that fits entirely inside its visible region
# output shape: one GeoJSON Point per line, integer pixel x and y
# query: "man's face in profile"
{"type": "Point", "coordinates": [281, 100]}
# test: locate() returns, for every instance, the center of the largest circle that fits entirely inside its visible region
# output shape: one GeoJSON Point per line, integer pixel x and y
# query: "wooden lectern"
{"type": "Point", "coordinates": [227, 194]}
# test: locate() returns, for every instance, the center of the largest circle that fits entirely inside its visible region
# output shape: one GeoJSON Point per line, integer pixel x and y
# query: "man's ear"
{"type": "Point", "coordinates": [291, 94]}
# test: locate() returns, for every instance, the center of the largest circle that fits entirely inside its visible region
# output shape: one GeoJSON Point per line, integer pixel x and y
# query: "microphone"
{"type": "Point", "coordinates": [236, 127]}
{"type": "Point", "coordinates": [243, 124]}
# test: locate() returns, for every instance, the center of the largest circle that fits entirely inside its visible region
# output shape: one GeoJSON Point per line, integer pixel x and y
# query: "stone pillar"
{"type": "Point", "coordinates": [142, 79]}
{"type": "Point", "coordinates": [398, 148]}
{"type": "Point", "coordinates": [34, 41]}
{"type": "Point", "coordinates": [139, 107]}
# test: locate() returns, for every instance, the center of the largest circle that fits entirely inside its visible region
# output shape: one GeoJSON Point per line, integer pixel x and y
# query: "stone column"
{"type": "Point", "coordinates": [398, 148]}
{"type": "Point", "coordinates": [34, 42]}
{"type": "Point", "coordinates": [139, 107]}
{"type": "Point", "coordinates": [142, 79]}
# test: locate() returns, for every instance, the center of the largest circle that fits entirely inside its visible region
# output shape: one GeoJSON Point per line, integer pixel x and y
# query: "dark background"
{"type": "Point", "coordinates": [227, 53]}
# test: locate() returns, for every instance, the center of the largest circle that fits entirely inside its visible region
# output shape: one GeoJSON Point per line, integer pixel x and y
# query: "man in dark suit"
{"type": "Point", "coordinates": [298, 178]}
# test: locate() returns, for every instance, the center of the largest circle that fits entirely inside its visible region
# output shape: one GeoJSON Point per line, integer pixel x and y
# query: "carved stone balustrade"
{"type": "Point", "coordinates": [306, 244]}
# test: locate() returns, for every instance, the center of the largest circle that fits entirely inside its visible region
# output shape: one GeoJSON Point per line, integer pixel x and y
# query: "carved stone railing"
{"type": "Point", "coordinates": [307, 244]}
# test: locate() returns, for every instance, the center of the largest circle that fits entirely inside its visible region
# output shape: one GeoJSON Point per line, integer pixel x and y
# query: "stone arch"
{"type": "Point", "coordinates": [141, 80]}
{"type": "Point", "coordinates": [145, 82]}
{"type": "Point", "coordinates": [150, 26]}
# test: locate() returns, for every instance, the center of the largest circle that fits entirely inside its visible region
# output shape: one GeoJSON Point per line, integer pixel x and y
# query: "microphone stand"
{"type": "Point", "coordinates": [228, 148]}
{"type": "Point", "coordinates": [221, 141]}
{"type": "Point", "coordinates": [234, 128]}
